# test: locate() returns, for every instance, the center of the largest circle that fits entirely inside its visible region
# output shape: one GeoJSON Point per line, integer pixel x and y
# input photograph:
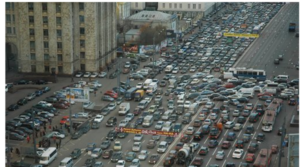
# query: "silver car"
{"type": "Point", "coordinates": [159, 125]}
{"type": "Point", "coordinates": [236, 113]}
{"type": "Point", "coordinates": [138, 137]}
{"type": "Point", "coordinates": [143, 155]}
{"type": "Point", "coordinates": [220, 155]}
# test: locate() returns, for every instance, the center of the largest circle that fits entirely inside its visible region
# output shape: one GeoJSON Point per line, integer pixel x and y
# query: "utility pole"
{"type": "Point", "coordinates": [153, 49]}
{"type": "Point", "coordinates": [119, 62]}
{"type": "Point", "coordinates": [33, 137]}
{"type": "Point", "coordinates": [70, 113]}
{"type": "Point", "coordinates": [281, 142]}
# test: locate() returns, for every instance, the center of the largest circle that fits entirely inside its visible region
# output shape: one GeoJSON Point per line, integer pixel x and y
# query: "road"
{"type": "Point", "coordinates": [275, 40]}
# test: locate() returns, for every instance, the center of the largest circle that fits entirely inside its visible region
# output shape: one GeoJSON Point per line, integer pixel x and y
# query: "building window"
{"type": "Point", "coordinates": [189, 6]}
{"type": "Point", "coordinates": [7, 5]}
{"type": "Point", "coordinates": [13, 18]}
{"type": "Point", "coordinates": [136, 4]}
{"type": "Point", "coordinates": [194, 6]}
{"type": "Point", "coordinates": [170, 5]}
{"type": "Point", "coordinates": [31, 32]}
{"type": "Point", "coordinates": [32, 44]}
{"type": "Point", "coordinates": [47, 69]}
{"type": "Point", "coordinates": [58, 20]}
{"type": "Point", "coordinates": [46, 56]}
{"type": "Point", "coordinates": [60, 69]}
{"type": "Point", "coordinates": [8, 30]}
{"type": "Point", "coordinates": [31, 19]}
{"type": "Point", "coordinates": [81, 6]}
{"type": "Point", "coordinates": [58, 7]}
{"type": "Point", "coordinates": [82, 43]}
{"type": "Point", "coordinates": [44, 7]}
{"type": "Point", "coordinates": [175, 5]}
{"type": "Point", "coordinates": [81, 19]}
{"type": "Point", "coordinates": [8, 18]}
{"type": "Point", "coordinates": [30, 7]}
{"type": "Point", "coordinates": [45, 31]}
{"type": "Point", "coordinates": [14, 30]}
{"type": "Point", "coordinates": [82, 67]}
{"type": "Point", "coordinates": [164, 5]}
{"type": "Point", "coordinates": [59, 57]}
{"type": "Point", "coordinates": [32, 56]}
{"type": "Point", "coordinates": [199, 6]}
{"type": "Point", "coordinates": [46, 45]}
{"type": "Point", "coordinates": [58, 33]}
{"type": "Point", "coordinates": [180, 5]}
{"type": "Point", "coordinates": [33, 68]}
{"type": "Point", "coordinates": [13, 6]}
{"type": "Point", "coordinates": [82, 31]}
{"type": "Point", "coordinates": [45, 19]}
{"type": "Point", "coordinates": [82, 55]}
{"type": "Point", "coordinates": [59, 45]}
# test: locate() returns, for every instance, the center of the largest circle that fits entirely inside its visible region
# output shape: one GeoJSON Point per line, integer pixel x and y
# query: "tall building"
{"type": "Point", "coordinates": [64, 37]}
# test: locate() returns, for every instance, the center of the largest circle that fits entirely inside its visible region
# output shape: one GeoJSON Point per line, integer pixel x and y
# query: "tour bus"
{"type": "Point", "coordinates": [48, 156]}
{"type": "Point", "coordinates": [243, 73]}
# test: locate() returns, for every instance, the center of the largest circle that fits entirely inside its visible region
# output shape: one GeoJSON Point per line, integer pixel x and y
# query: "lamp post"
{"type": "Point", "coordinates": [70, 113]}
{"type": "Point", "coordinates": [33, 137]}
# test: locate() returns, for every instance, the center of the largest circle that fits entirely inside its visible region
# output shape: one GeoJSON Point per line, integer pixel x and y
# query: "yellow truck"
{"type": "Point", "coordinates": [139, 94]}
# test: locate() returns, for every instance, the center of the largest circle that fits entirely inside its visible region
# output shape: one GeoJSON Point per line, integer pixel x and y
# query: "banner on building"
{"type": "Point", "coordinates": [144, 49]}
{"type": "Point", "coordinates": [78, 94]}
{"type": "Point", "coordinates": [171, 34]}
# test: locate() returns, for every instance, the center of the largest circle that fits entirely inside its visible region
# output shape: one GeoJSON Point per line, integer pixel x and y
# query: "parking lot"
{"type": "Point", "coordinates": [194, 63]}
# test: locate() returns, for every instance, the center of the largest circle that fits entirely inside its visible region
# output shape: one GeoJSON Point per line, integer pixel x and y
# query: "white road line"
{"type": "Point", "coordinates": [249, 144]}
{"type": "Point", "coordinates": [244, 154]}
{"type": "Point", "coordinates": [215, 151]}
{"type": "Point", "coordinates": [240, 133]}
{"type": "Point", "coordinates": [77, 161]}
{"type": "Point", "coordinates": [240, 164]}
{"type": "Point", "coordinates": [208, 162]}
{"type": "Point", "coordinates": [229, 153]}
{"type": "Point", "coordinates": [206, 139]}
{"type": "Point", "coordinates": [260, 122]}
{"type": "Point", "coordinates": [224, 163]}
{"type": "Point", "coordinates": [129, 140]}
{"type": "Point", "coordinates": [225, 132]}
{"type": "Point", "coordinates": [253, 135]}
{"type": "Point", "coordinates": [234, 143]}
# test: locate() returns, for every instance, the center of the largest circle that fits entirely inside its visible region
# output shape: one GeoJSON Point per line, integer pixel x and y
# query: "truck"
{"type": "Point", "coordinates": [292, 27]}
{"type": "Point", "coordinates": [247, 92]}
{"type": "Point", "coordinates": [216, 131]}
{"type": "Point", "coordinates": [148, 121]}
{"type": "Point", "coordinates": [169, 69]}
{"type": "Point", "coordinates": [152, 87]}
{"type": "Point", "coordinates": [130, 94]}
{"type": "Point", "coordinates": [184, 155]}
{"type": "Point", "coordinates": [264, 158]}
{"type": "Point", "coordinates": [172, 83]}
{"type": "Point", "coordinates": [147, 83]}
{"type": "Point", "coordinates": [124, 108]}
{"type": "Point", "coordinates": [226, 75]}
{"type": "Point", "coordinates": [139, 94]}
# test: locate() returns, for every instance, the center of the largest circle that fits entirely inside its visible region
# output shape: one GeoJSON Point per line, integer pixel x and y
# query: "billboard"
{"type": "Point", "coordinates": [170, 34]}
{"type": "Point", "coordinates": [78, 94]}
{"type": "Point", "coordinates": [144, 49]}
{"type": "Point", "coordinates": [146, 132]}
{"type": "Point", "coordinates": [240, 35]}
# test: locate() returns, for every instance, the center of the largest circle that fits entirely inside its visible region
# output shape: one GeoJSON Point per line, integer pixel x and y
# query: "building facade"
{"type": "Point", "coordinates": [123, 10]}
{"type": "Point", "coordinates": [61, 37]}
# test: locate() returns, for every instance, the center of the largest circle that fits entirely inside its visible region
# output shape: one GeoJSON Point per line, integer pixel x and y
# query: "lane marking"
{"type": "Point", "coordinates": [77, 161]}
{"type": "Point", "coordinates": [208, 162]}
{"type": "Point", "coordinates": [229, 153]}
{"type": "Point", "coordinates": [224, 163]}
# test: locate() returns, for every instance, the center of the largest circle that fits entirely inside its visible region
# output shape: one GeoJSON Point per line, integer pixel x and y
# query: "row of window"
{"type": "Point", "coordinates": [32, 45]}
{"type": "Point", "coordinates": [180, 6]}
{"type": "Point", "coordinates": [47, 68]}
{"type": "Point", "coordinates": [45, 7]}
{"type": "Point", "coordinates": [45, 19]}
{"type": "Point", "coordinates": [46, 57]}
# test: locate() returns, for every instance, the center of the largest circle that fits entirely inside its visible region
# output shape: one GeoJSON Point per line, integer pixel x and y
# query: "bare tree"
{"type": "Point", "coordinates": [147, 34]}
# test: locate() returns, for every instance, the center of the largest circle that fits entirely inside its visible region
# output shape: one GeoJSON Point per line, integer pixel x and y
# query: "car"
{"type": "Point", "coordinates": [197, 123]}
{"type": "Point", "coordinates": [90, 147]}
{"type": "Point", "coordinates": [136, 146]}
{"type": "Point", "coordinates": [190, 130]}
{"type": "Point", "coordinates": [156, 137]}
{"type": "Point", "coordinates": [75, 153]}
{"type": "Point", "coordinates": [159, 125]}
{"type": "Point", "coordinates": [241, 119]}
{"type": "Point", "coordinates": [178, 146]}
{"type": "Point", "coordinates": [151, 144]}
{"type": "Point", "coordinates": [135, 163]}
{"type": "Point", "coordinates": [229, 125]}
{"type": "Point", "coordinates": [143, 155]}
{"type": "Point", "coordinates": [239, 144]}
{"type": "Point", "coordinates": [98, 118]}
{"type": "Point", "coordinates": [213, 116]}
{"type": "Point", "coordinates": [220, 155]}
{"type": "Point", "coordinates": [226, 145]}
{"type": "Point", "coordinates": [292, 102]}
{"type": "Point", "coordinates": [57, 135]}
{"type": "Point", "coordinates": [116, 156]}
{"type": "Point", "coordinates": [107, 98]}
{"type": "Point", "coordinates": [81, 115]}
{"type": "Point", "coordinates": [117, 146]}
{"type": "Point", "coordinates": [260, 137]}
{"type": "Point", "coordinates": [13, 107]}
{"type": "Point", "coordinates": [249, 129]}
{"type": "Point", "coordinates": [230, 164]}
{"type": "Point", "coordinates": [237, 153]}
{"type": "Point", "coordinates": [276, 61]}
{"type": "Point", "coordinates": [153, 159]}
{"type": "Point", "coordinates": [111, 106]}
{"type": "Point", "coordinates": [96, 153]}
{"type": "Point", "coordinates": [213, 143]}
{"type": "Point", "coordinates": [246, 113]}
{"type": "Point", "coordinates": [90, 162]}
{"type": "Point", "coordinates": [130, 156]}
{"type": "Point", "coordinates": [253, 147]}
{"type": "Point", "coordinates": [237, 127]}
{"type": "Point", "coordinates": [121, 163]}
{"type": "Point", "coordinates": [22, 101]}
{"type": "Point", "coordinates": [22, 82]}
{"type": "Point", "coordinates": [15, 136]}
{"type": "Point", "coordinates": [138, 137]}
{"type": "Point", "coordinates": [102, 74]}
{"type": "Point", "coordinates": [197, 161]}
{"type": "Point", "coordinates": [129, 117]}
{"type": "Point", "coordinates": [78, 74]}
{"type": "Point", "coordinates": [250, 157]}
{"type": "Point", "coordinates": [246, 138]}
{"type": "Point", "coordinates": [231, 136]}
{"type": "Point", "coordinates": [203, 150]}
{"type": "Point", "coordinates": [107, 154]}
{"type": "Point", "coordinates": [207, 122]}
{"type": "Point", "coordinates": [249, 106]}
{"type": "Point", "coordinates": [105, 144]}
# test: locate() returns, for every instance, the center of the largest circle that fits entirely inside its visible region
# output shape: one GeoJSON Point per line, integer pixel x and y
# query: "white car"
{"type": "Point", "coordinates": [203, 101]}
{"type": "Point", "coordinates": [94, 74]}
{"type": "Point", "coordinates": [123, 123]}
{"type": "Point", "coordinates": [193, 69]}
{"type": "Point", "coordinates": [87, 74]}
{"type": "Point", "coordinates": [167, 126]}
{"type": "Point", "coordinates": [46, 112]}
{"type": "Point", "coordinates": [229, 125]}
{"type": "Point", "coordinates": [207, 122]}
{"type": "Point", "coordinates": [80, 115]}
{"type": "Point", "coordinates": [95, 84]}
{"type": "Point", "coordinates": [120, 163]}
{"type": "Point", "coordinates": [175, 70]}
{"type": "Point", "coordinates": [195, 145]}
{"type": "Point", "coordinates": [187, 104]}
{"type": "Point", "coordinates": [79, 74]}
{"type": "Point", "coordinates": [249, 106]}
{"type": "Point", "coordinates": [138, 137]}
{"type": "Point", "coordinates": [98, 118]}
{"type": "Point", "coordinates": [202, 117]}
{"type": "Point", "coordinates": [237, 127]}
{"type": "Point", "coordinates": [102, 74]}
{"type": "Point", "coordinates": [58, 135]}
{"type": "Point", "coordinates": [117, 145]}
{"type": "Point", "coordinates": [238, 153]}
{"type": "Point", "coordinates": [159, 125]}
{"type": "Point", "coordinates": [45, 103]}
{"type": "Point", "coordinates": [236, 113]}
{"type": "Point", "coordinates": [213, 116]}
{"type": "Point", "coordinates": [86, 104]}
{"type": "Point", "coordinates": [190, 130]}
{"type": "Point", "coordinates": [143, 155]}
{"type": "Point", "coordinates": [129, 117]}
{"type": "Point", "coordinates": [209, 105]}
{"type": "Point", "coordinates": [111, 106]}
{"type": "Point", "coordinates": [235, 96]}
{"type": "Point", "coordinates": [139, 85]}
{"type": "Point", "coordinates": [224, 112]}
{"type": "Point", "coordinates": [195, 81]}
{"type": "Point", "coordinates": [136, 146]}
{"type": "Point", "coordinates": [135, 163]}
{"type": "Point", "coordinates": [207, 78]}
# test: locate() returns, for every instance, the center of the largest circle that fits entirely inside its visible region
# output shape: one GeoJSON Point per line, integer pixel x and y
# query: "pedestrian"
{"type": "Point", "coordinates": [56, 128]}
{"type": "Point", "coordinates": [17, 151]}
{"type": "Point", "coordinates": [40, 143]}
{"type": "Point", "coordinates": [53, 128]}
{"type": "Point", "coordinates": [56, 145]}
{"type": "Point", "coordinates": [54, 138]}
{"type": "Point", "coordinates": [45, 127]}
{"type": "Point", "coordinates": [44, 133]}
{"type": "Point", "coordinates": [28, 139]}
{"type": "Point", "coordinates": [68, 129]}
{"type": "Point", "coordinates": [36, 134]}
{"type": "Point", "coordinates": [59, 143]}
{"type": "Point", "coordinates": [11, 149]}
{"type": "Point", "coordinates": [95, 93]}
{"type": "Point", "coordinates": [49, 127]}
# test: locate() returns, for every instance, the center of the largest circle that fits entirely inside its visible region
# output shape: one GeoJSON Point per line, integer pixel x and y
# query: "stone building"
{"type": "Point", "coordinates": [64, 37]}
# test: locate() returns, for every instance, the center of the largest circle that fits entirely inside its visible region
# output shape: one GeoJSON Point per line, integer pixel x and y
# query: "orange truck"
{"type": "Point", "coordinates": [216, 131]}
{"type": "Point", "coordinates": [244, 26]}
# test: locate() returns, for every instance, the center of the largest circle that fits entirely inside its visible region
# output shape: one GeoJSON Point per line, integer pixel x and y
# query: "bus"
{"type": "Point", "coordinates": [263, 159]}
{"type": "Point", "coordinates": [271, 87]}
{"type": "Point", "coordinates": [129, 94]}
{"type": "Point", "coordinates": [48, 156]}
{"type": "Point", "coordinates": [270, 117]}
{"type": "Point", "coordinates": [256, 29]}
{"type": "Point", "coordinates": [243, 72]}
{"type": "Point", "coordinates": [275, 105]}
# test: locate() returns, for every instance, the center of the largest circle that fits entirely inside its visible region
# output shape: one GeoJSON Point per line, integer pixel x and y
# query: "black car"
{"type": "Point", "coordinates": [22, 101]}
{"type": "Point", "coordinates": [20, 164]}
{"type": "Point", "coordinates": [241, 119]}
{"type": "Point", "coordinates": [116, 156]}
{"type": "Point", "coordinates": [260, 137]}
{"type": "Point", "coordinates": [41, 82]}
{"type": "Point", "coordinates": [23, 82]}
{"type": "Point", "coordinates": [243, 100]}
{"type": "Point", "coordinates": [169, 161]}
{"type": "Point", "coordinates": [239, 144]}
{"type": "Point", "coordinates": [13, 107]}
{"type": "Point", "coordinates": [111, 135]}
{"type": "Point", "coordinates": [169, 139]}
{"type": "Point", "coordinates": [198, 136]}
{"type": "Point", "coordinates": [15, 136]}
{"type": "Point", "coordinates": [253, 148]}
{"type": "Point", "coordinates": [45, 89]}
{"type": "Point", "coordinates": [139, 121]}
{"type": "Point", "coordinates": [90, 162]}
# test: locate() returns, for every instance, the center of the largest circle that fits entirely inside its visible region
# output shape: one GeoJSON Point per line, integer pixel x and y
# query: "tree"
{"type": "Point", "coordinates": [147, 34]}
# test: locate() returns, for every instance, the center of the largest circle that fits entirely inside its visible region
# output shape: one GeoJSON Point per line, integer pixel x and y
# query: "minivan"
{"type": "Point", "coordinates": [143, 104]}
{"type": "Point", "coordinates": [186, 118]}
{"type": "Point", "coordinates": [66, 162]}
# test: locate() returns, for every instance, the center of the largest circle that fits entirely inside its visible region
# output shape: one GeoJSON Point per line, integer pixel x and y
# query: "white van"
{"type": "Point", "coordinates": [66, 162]}
{"type": "Point", "coordinates": [162, 147]}
{"type": "Point", "coordinates": [48, 156]}
{"type": "Point", "coordinates": [147, 83]}
{"type": "Point", "coordinates": [181, 99]}
{"type": "Point", "coordinates": [193, 108]}
{"type": "Point", "coordinates": [209, 77]}
{"type": "Point", "coordinates": [148, 121]}
{"type": "Point", "coordinates": [169, 69]}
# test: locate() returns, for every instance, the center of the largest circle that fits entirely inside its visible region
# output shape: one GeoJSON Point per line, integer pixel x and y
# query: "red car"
{"type": "Point", "coordinates": [60, 105]}
{"type": "Point", "coordinates": [111, 93]}
{"type": "Point", "coordinates": [197, 161]}
{"type": "Point", "coordinates": [64, 119]}
{"type": "Point", "coordinates": [65, 102]}
{"type": "Point", "coordinates": [137, 111]}
{"type": "Point", "coordinates": [250, 157]}
{"type": "Point", "coordinates": [229, 85]}
{"type": "Point", "coordinates": [226, 144]}
{"type": "Point", "coordinates": [265, 94]}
